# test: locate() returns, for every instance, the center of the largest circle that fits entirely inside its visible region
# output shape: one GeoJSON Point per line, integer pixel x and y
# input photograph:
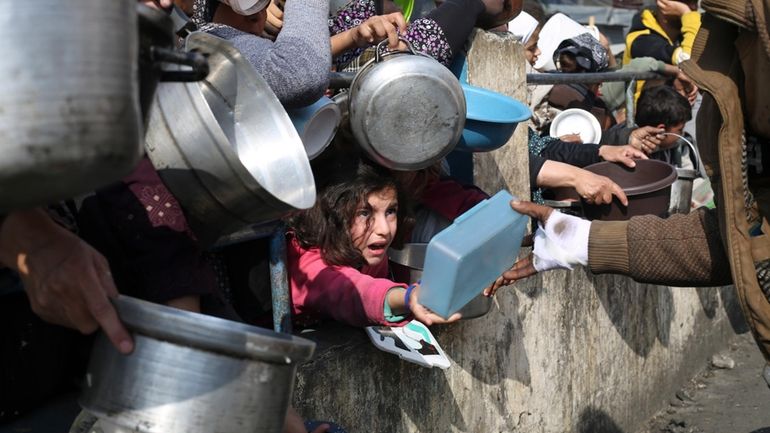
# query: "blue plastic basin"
{"type": "Point", "coordinates": [469, 255]}
{"type": "Point", "coordinates": [490, 120]}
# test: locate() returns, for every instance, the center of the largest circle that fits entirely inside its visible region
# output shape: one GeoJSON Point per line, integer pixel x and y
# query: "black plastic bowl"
{"type": "Point", "coordinates": [647, 186]}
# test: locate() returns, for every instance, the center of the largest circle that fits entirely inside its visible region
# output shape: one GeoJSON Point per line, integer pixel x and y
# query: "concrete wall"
{"type": "Point", "coordinates": [561, 352]}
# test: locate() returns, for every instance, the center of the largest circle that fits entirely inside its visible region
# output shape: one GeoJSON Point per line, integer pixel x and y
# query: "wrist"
{"type": "Point", "coordinates": [23, 232]}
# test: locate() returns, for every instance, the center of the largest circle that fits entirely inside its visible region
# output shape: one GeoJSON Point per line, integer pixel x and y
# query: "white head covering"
{"type": "Point", "coordinates": [246, 7]}
{"type": "Point", "coordinates": [554, 32]}
{"type": "Point", "coordinates": [523, 26]}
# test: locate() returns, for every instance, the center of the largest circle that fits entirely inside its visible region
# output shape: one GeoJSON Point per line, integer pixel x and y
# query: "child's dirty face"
{"type": "Point", "coordinates": [375, 224]}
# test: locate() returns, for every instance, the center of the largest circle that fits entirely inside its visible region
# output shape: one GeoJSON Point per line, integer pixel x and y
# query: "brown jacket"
{"type": "Point", "coordinates": [730, 59]}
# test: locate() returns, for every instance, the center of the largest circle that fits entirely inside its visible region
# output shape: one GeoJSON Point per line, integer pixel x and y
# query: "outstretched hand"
{"type": "Point", "coordinates": [425, 315]}
{"type": "Point", "coordinates": [622, 154]}
{"type": "Point", "coordinates": [379, 28]}
{"type": "Point", "coordinates": [525, 267]}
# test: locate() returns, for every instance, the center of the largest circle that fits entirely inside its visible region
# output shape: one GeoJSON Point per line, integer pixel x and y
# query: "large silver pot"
{"type": "Point", "coordinates": [225, 146]}
{"type": "Point", "coordinates": [407, 111]}
{"type": "Point", "coordinates": [191, 373]}
{"type": "Point", "coordinates": [70, 118]}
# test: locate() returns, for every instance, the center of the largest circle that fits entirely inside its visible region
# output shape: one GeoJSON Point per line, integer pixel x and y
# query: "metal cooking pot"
{"type": "Point", "coordinates": [192, 373]}
{"type": "Point", "coordinates": [70, 118]}
{"type": "Point", "coordinates": [407, 111]}
{"type": "Point", "coordinates": [681, 189]}
{"type": "Point", "coordinates": [156, 46]}
{"type": "Point", "coordinates": [412, 255]}
{"type": "Point", "coordinates": [226, 148]}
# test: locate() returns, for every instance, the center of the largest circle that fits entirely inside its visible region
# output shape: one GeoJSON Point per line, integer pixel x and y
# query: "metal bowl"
{"type": "Point", "coordinates": [192, 373]}
{"type": "Point", "coordinates": [225, 146]}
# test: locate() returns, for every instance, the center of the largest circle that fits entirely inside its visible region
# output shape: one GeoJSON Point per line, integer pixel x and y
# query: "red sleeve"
{"type": "Point", "coordinates": [341, 293]}
{"type": "Point", "coordinates": [450, 199]}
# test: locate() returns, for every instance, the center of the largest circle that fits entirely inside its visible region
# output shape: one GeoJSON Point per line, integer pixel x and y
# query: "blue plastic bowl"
{"type": "Point", "coordinates": [490, 120]}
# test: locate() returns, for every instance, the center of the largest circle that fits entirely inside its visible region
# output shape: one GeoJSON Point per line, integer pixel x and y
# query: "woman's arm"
{"type": "Point", "coordinates": [296, 66]}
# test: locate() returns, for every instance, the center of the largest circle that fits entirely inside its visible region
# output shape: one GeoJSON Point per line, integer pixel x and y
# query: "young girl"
{"type": "Point", "coordinates": [337, 254]}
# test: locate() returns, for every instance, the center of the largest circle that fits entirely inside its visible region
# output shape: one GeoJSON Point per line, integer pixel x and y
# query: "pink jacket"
{"type": "Point", "coordinates": [342, 293]}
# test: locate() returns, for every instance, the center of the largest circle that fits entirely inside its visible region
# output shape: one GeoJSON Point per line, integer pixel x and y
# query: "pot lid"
{"type": "Point", "coordinates": [211, 333]}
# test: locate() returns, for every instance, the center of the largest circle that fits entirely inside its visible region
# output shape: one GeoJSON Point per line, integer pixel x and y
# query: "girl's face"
{"type": "Point", "coordinates": [531, 50]}
{"type": "Point", "coordinates": [375, 224]}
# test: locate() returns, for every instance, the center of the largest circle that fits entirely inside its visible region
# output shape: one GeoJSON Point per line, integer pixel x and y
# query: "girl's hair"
{"type": "Point", "coordinates": [327, 224]}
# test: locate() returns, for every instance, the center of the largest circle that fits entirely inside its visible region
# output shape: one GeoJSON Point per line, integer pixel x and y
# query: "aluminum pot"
{"type": "Point", "coordinates": [412, 255]}
{"type": "Point", "coordinates": [192, 373]}
{"type": "Point", "coordinates": [70, 119]}
{"type": "Point", "coordinates": [407, 111]}
{"type": "Point", "coordinates": [156, 47]}
{"type": "Point", "coordinates": [681, 189]}
{"type": "Point", "coordinates": [225, 146]}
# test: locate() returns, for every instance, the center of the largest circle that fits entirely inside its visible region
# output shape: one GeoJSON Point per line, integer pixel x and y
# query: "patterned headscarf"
{"type": "Point", "coordinates": [589, 53]}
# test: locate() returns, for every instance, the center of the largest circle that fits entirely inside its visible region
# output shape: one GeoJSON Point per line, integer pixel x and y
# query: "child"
{"type": "Point", "coordinates": [663, 108]}
{"type": "Point", "coordinates": [337, 254]}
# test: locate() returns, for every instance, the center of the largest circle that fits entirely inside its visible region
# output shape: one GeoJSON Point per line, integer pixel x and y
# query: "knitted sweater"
{"type": "Point", "coordinates": [295, 66]}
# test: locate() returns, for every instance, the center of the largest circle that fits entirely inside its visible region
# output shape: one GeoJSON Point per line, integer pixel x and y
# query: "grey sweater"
{"type": "Point", "coordinates": [296, 66]}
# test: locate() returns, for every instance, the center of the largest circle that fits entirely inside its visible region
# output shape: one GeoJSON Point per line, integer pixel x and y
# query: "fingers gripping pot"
{"type": "Point", "coordinates": [192, 373]}
{"type": "Point", "coordinates": [407, 111]}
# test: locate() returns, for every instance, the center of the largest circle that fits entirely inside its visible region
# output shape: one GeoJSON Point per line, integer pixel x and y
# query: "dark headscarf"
{"type": "Point", "coordinates": [589, 54]}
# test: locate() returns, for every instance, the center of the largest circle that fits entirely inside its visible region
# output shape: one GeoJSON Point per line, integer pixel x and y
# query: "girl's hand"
{"type": "Point", "coordinates": [571, 138]}
{"type": "Point", "coordinates": [423, 314]}
{"type": "Point", "coordinates": [379, 28]}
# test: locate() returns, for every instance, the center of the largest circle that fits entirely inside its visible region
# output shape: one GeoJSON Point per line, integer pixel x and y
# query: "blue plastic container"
{"type": "Point", "coordinates": [490, 120]}
{"type": "Point", "coordinates": [470, 254]}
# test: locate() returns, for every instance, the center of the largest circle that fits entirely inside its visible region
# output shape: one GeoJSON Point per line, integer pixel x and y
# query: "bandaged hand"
{"type": "Point", "coordinates": [560, 242]}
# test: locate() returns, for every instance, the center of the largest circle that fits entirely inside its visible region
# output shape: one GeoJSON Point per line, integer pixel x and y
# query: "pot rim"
{"type": "Point", "coordinates": [647, 187]}
{"type": "Point", "coordinates": [211, 333]}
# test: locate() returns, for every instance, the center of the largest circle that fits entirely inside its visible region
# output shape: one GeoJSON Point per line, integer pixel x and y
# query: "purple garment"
{"type": "Point", "coordinates": [425, 34]}
{"type": "Point", "coordinates": [140, 228]}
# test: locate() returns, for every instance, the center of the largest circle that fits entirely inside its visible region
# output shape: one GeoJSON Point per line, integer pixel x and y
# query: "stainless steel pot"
{"type": "Point", "coordinates": [407, 111]}
{"type": "Point", "coordinates": [412, 255]}
{"type": "Point", "coordinates": [156, 47]}
{"type": "Point", "coordinates": [681, 189]}
{"type": "Point", "coordinates": [70, 118]}
{"type": "Point", "coordinates": [226, 148]}
{"type": "Point", "coordinates": [191, 373]}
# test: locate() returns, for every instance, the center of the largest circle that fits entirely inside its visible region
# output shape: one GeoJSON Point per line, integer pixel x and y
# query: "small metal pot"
{"type": "Point", "coordinates": [225, 146]}
{"type": "Point", "coordinates": [407, 111]}
{"type": "Point", "coordinates": [412, 256]}
{"type": "Point", "coordinates": [70, 119]}
{"type": "Point", "coordinates": [192, 373]}
{"type": "Point", "coordinates": [681, 189]}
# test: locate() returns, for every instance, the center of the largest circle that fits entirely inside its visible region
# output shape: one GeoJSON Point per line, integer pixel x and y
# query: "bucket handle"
{"type": "Point", "coordinates": [698, 165]}
{"type": "Point", "coordinates": [409, 49]}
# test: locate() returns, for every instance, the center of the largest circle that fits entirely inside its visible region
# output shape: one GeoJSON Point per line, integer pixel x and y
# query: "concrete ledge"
{"type": "Point", "coordinates": [566, 352]}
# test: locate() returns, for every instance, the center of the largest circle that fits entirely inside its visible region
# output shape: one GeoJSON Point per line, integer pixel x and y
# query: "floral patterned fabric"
{"type": "Point", "coordinates": [425, 34]}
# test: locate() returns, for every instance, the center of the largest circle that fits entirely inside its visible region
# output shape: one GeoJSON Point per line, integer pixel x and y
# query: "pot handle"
{"type": "Point", "coordinates": [382, 44]}
{"type": "Point", "coordinates": [698, 164]}
{"type": "Point", "coordinates": [198, 62]}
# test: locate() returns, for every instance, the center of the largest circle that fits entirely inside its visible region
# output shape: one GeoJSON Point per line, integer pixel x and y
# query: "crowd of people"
{"type": "Point", "coordinates": [61, 264]}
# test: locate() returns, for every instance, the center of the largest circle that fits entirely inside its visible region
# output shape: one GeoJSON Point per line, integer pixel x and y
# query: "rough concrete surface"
{"type": "Point", "coordinates": [720, 400]}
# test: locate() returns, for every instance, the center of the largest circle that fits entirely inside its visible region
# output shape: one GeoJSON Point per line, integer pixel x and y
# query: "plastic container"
{"type": "Point", "coordinates": [470, 254]}
{"type": "Point", "coordinates": [490, 119]}
{"type": "Point", "coordinates": [647, 186]}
